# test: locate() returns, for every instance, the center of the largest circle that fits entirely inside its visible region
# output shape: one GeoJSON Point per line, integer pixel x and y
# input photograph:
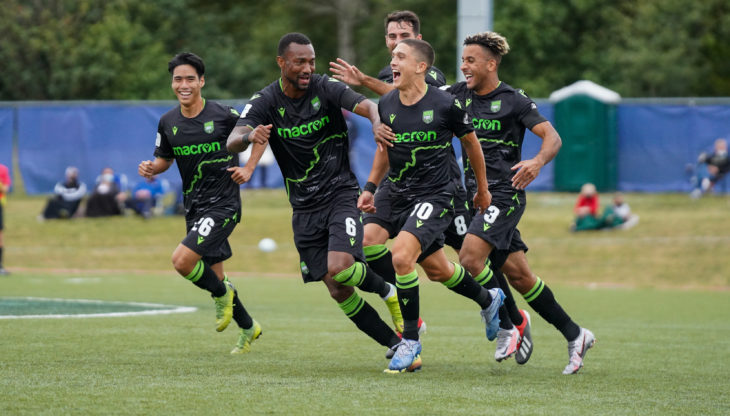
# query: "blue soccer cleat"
{"type": "Point", "coordinates": [407, 357]}
{"type": "Point", "coordinates": [490, 315]}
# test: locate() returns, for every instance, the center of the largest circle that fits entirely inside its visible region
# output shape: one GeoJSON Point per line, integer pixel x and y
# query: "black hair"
{"type": "Point", "coordinates": [495, 43]}
{"type": "Point", "coordinates": [187, 58]}
{"type": "Point", "coordinates": [289, 38]}
{"type": "Point", "coordinates": [404, 16]}
{"type": "Point", "coordinates": [423, 49]}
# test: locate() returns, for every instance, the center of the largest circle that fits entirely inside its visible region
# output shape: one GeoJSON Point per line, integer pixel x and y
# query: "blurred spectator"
{"type": "Point", "coordinates": [586, 209]}
{"type": "Point", "coordinates": [67, 196]}
{"type": "Point", "coordinates": [147, 196]}
{"type": "Point", "coordinates": [5, 183]}
{"type": "Point", "coordinates": [262, 169]}
{"type": "Point", "coordinates": [618, 214]}
{"type": "Point", "coordinates": [107, 198]}
{"type": "Point", "coordinates": [711, 168]}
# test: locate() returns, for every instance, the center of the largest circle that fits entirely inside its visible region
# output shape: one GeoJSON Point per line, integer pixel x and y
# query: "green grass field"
{"type": "Point", "coordinates": [656, 296]}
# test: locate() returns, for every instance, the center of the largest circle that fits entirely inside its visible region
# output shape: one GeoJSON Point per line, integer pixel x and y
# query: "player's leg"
{"type": "Point", "coordinates": [539, 296]}
{"type": "Point", "coordinates": [249, 328]}
{"type": "Point", "coordinates": [191, 266]}
{"type": "Point", "coordinates": [378, 229]}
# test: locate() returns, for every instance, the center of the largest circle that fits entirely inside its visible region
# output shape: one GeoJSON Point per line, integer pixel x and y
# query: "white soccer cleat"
{"type": "Point", "coordinates": [577, 350]}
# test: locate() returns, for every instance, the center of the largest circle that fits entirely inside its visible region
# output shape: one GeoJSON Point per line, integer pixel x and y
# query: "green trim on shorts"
{"type": "Point", "coordinates": [197, 272]}
{"type": "Point", "coordinates": [351, 276]}
{"type": "Point", "coordinates": [406, 281]}
{"type": "Point", "coordinates": [352, 305]}
{"type": "Point", "coordinates": [374, 252]}
{"type": "Point", "coordinates": [456, 278]}
{"type": "Point", "coordinates": [535, 291]}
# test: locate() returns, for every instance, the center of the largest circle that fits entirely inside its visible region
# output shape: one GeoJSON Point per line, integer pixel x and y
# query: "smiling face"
{"type": "Point", "coordinates": [397, 31]}
{"type": "Point", "coordinates": [406, 66]}
{"type": "Point", "coordinates": [297, 65]}
{"type": "Point", "coordinates": [186, 84]}
{"type": "Point", "coordinates": [478, 66]}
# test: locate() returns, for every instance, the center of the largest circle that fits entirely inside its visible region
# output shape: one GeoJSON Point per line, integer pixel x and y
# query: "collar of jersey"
{"type": "Point", "coordinates": [201, 110]}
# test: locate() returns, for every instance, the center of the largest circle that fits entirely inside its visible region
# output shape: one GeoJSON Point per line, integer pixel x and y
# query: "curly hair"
{"type": "Point", "coordinates": [493, 41]}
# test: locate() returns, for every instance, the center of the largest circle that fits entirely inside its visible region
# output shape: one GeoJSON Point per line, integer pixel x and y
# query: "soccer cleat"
{"type": "Point", "coordinates": [407, 357]}
{"type": "Point", "coordinates": [421, 331]}
{"type": "Point", "coordinates": [224, 307]}
{"type": "Point", "coordinates": [490, 315]}
{"type": "Point", "coordinates": [391, 301]}
{"type": "Point", "coordinates": [524, 347]}
{"type": "Point", "coordinates": [506, 343]}
{"type": "Point", "coordinates": [246, 338]}
{"type": "Point", "coordinates": [577, 350]}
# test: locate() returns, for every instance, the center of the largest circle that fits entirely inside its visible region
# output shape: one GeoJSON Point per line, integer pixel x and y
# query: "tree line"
{"type": "Point", "coordinates": [119, 49]}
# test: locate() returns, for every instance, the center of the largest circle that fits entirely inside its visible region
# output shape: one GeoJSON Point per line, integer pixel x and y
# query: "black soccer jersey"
{"type": "Point", "coordinates": [499, 120]}
{"type": "Point", "coordinates": [309, 138]}
{"type": "Point", "coordinates": [198, 145]}
{"type": "Point", "coordinates": [422, 157]}
{"type": "Point", "coordinates": [434, 76]}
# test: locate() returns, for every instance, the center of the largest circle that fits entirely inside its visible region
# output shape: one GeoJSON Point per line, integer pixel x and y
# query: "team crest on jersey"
{"type": "Point", "coordinates": [428, 116]}
{"type": "Point", "coordinates": [208, 127]}
{"type": "Point", "coordinates": [316, 104]}
{"type": "Point", "coordinates": [281, 111]}
{"type": "Point", "coordinates": [496, 106]}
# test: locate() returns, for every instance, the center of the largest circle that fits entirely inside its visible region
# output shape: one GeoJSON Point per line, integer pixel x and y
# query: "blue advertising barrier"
{"type": "Point", "coordinates": [6, 137]}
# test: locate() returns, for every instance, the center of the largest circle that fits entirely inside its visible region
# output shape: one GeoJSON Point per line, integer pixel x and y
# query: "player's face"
{"type": "Point", "coordinates": [396, 32]}
{"type": "Point", "coordinates": [404, 64]}
{"type": "Point", "coordinates": [476, 64]}
{"type": "Point", "coordinates": [297, 65]}
{"type": "Point", "coordinates": [186, 84]}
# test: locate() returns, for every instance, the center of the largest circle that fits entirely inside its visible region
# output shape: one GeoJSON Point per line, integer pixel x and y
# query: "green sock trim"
{"type": "Point", "coordinates": [456, 278]}
{"type": "Point", "coordinates": [197, 272]}
{"type": "Point", "coordinates": [374, 252]}
{"type": "Point", "coordinates": [352, 305]}
{"type": "Point", "coordinates": [406, 281]}
{"type": "Point", "coordinates": [351, 276]}
{"type": "Point", "coordinates": [485, 275]}
{"type": "Point", "coordinates": [535, 291]}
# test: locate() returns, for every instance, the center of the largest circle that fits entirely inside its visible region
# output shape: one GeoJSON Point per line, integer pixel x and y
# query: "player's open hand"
{"type": "Point", "coordinates": [343, 71]}
{"type": "Point", "coordinates": [366, 202]}
{"type": "Point", "coordinates": [145, 169]}
{"type": "Point", "coordinates": [482, 200]}
{"type": "Point", "coordinates": [260, 134]}
{"type": "Point", "coordinates": [240, 175]}
{"type": "Point", "coordinates": [527, 171]}
{"type": "Point", "coordinates": [383, 135]}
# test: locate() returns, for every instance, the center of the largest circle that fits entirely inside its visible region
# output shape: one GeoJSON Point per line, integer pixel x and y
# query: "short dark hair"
{"type": "Point", "coordinates": [404, 16]}
{"type": "Point", "coordinates": [187, 58]}
{"type": "Point", "coordinates": [423, 49]}
{"type": "Point", "coordinates": [289, 38]}
{"type": "Point", "coordinates": [492, 41]}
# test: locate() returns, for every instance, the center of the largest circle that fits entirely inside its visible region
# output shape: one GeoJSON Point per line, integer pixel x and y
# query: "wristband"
{"type": "Point", "coordinates": [370, 187]}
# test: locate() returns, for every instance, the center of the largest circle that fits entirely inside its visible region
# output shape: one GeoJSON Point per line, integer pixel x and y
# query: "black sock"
{"type": "Point", "coordinates": [462, 283]}
{"type": "Point", "coordinates": [541, 299]}
{"type": "Point", "coordinates": [240, 315]}
{"type": "Point", "coordinates": [407, 286]}
{"type": "Point", "coordinates": [362, 276]}
{"type": "Point", "coordinates": [509, 301]}
{"type": "Point", "coordinates": [381, 261]}
{"type": "Point", "coordinates": [368, 321]}
{"type": "Point", "coordinates": [205, 278]}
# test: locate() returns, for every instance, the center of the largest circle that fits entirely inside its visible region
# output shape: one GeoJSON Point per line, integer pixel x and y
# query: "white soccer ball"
{"type": "Point", "coordinates": [267, 245]}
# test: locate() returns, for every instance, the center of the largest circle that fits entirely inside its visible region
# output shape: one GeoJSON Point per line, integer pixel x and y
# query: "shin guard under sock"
{"type": "Point", "coordinates": [367, 320]}
{"type": "Point", "coordinates": [205, 278]}
{"type": "Point", "coordinates": [541, 299]}
{"type": "Point", "coordinates": [381, 261]}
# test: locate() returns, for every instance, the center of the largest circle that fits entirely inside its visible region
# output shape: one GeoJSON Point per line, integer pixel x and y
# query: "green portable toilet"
{"type": "Point", "coordinates": [585, 118]}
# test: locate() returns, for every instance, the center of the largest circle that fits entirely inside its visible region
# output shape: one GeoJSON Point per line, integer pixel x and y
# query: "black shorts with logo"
{"type": "Point", "coordinates": [426, 217]}
{"type": "Point", "coordinates": [336, 227]}
{"type": "Point", "coordinates": [208, 232]}
{"type": "Point", "coordinates": [499, 222]}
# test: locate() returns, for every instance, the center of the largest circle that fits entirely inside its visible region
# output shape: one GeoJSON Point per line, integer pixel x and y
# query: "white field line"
{"type": "Point", "coordinates": [169, 309]}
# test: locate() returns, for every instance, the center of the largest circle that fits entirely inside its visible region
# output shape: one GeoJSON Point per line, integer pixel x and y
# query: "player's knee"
{"type": "Point", "coordinates": [334, 267]}
{"type": "Point", "coordinates": [402, 263]}
{"type": "Point", "coordinates": [181, 264]}
{"type": "Point", "coordinates": [339, 292]}
{"type": "Point", "coordinates": [521, 280]}
{"type": "Point", "coordinates": [473, 263]}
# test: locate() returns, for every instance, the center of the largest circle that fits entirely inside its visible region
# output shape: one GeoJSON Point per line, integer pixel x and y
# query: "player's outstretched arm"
{"type": "Point", "coordinates": [482, 198]}
{"type": "Point", "coordinates": [150, 168]}
{"type": "Point", "coordinates": [242, 136]}
{"type": "Point", "coordinates": [527, 170]}
{"type": "Point", "coordinates": [382, 134]}
{"type": "Point", "coordinates": [350, 75]}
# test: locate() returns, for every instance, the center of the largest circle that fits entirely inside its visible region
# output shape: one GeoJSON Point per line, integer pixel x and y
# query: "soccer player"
{"type": "Point", "coordinates": [300, 117]}
{"type": "Point", "coordinates": [5, 183]}
{"type": "Point", "coordinates": [193, 134]}
{"type": "Point", "coordinates": [500, 114]}
{"type": "Point", "coordinates": [421, 121]}
{"type": "Point", "coordinates": [399, 25]}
